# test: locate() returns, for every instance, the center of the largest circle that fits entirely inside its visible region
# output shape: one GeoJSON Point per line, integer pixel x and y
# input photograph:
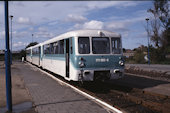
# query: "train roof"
{"type": "Point", "coordinates": [37, 45]}
{"type": "Point", "coordinates": [29, 48]}
{"type": "Point", "coordinates": [79, 33]}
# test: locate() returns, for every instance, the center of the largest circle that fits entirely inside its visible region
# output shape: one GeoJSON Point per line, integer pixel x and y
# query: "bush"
{"type": "Point", "coordinates": [139, 56]}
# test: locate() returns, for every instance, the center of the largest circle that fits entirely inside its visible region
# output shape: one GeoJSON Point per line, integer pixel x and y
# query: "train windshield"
{"type": "Point", "coordinates": [116, 46]}
{"type": "Point", "coordinates": [101, 45]}
{"type": "Point", "coordinates": [84, 45]}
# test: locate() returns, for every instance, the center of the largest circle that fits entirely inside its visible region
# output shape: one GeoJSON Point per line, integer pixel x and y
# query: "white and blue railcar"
{"type": "Point", "coordinates": [36, 54]}
{"type": "Point", "coordinates": [33, 54]}
{"type": "Point", "coordinates": [29, 54]}
{"type": "Point", "coordinates": [82, 55]}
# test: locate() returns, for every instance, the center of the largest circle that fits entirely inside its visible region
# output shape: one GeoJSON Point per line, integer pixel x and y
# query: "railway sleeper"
{"type": "Point", "coordinates": [147, 103]}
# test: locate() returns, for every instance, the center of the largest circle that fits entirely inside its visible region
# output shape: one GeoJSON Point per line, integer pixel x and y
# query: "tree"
{"type": "Point", "coordinates": [166, 41]}
{"type": "Point", "coordinates": [155, 25]}
{"type": "Point", "coordinates": [165, 22]}
{"type": "Point", "coordinates": [31, 44]}
{"type": "Point", "coordinates": [124, 50]}
{"type": "Point", "coordinates": [22, 53]}
{"type": "Point", "coordinates": [139, 56]}
{"type": "Point", "coordinates": [160, 23]}
{"type": "Point", "coordinates": [159, 30]}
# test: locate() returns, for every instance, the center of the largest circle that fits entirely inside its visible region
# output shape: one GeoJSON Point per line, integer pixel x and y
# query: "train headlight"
{"type": "Point", "coordinates": [81, 64]}
{"type": "Point", "coordinates": [121, 63]}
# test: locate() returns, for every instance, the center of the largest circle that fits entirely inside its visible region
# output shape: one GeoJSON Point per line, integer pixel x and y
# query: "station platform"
{"type": "Point", "coordinates": [31, 84]}
{"type": "Point", "coordinates": [49, 96]}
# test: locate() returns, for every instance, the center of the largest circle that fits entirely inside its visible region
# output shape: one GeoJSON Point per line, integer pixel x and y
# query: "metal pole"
{"type": "Point", "coordinates": [11, 38]}
{"type": "Point", "coordinates": [147, 19]}
{"type": "Point", "coordinates": [7, 61]}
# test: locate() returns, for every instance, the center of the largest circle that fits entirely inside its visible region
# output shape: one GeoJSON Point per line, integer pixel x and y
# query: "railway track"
{"type": "Point", "coordinates": [127, 99]}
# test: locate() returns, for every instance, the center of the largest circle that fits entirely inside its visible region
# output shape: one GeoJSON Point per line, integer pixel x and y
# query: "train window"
{"type": "Point", "coordinates": [61, 47]}
{"type": "Point", "coordinates": [100, 45]}
{"type": "Point", "coordinates": [71, 46]}
{"type": "Point", "coordinates": [116, 46]}
{"type": "Point", "coordinates": [35, 51]}
{"type": "Point", "coordinates": [51, 48]}
{"type": "Point", "coordinates": [55, 47]}
{"type": "Point", "coordinates": [84, 45]}
{"type": "Point", "coordinates": [28, 52]}
{"type": "Point", "coordinates": [47, 49]}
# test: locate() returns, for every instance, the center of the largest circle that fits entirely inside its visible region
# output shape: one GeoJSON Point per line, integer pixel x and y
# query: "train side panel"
{"type": "Point", "coordinates": [54, 63]}
{"type": "Point", "coordinates": [28, 58]}
{"type": "Point", "coordinates": [35, 59]}
{"type": "Point", "coordinates": [29, 55]}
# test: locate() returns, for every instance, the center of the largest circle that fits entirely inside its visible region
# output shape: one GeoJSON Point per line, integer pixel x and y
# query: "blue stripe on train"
{"type": "Point", "coordinates": [91, 62]}
{"type": "Point", "coordinates": [98, 61]}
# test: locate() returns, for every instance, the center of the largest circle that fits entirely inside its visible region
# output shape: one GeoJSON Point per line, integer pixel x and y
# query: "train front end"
{"type": "Point", "coordinates": [99, 58]}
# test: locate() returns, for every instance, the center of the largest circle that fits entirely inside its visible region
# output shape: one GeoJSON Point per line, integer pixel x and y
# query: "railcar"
{"type": "Point", "coordinates": [29, 54]}
{"type": "Point", "coordinates": [82, 55]}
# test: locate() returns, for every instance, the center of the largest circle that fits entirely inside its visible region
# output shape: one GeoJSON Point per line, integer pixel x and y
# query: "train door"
{"type": "Point", "coordinates": [67, 56]}
{"type": "Point", "coordinates": [31, 55]}
{"type": "Point", "coordinates": [39, 50]}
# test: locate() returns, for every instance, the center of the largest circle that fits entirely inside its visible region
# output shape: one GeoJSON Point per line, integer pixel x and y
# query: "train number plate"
{"type": "Point", "coordinates": [102, 60]}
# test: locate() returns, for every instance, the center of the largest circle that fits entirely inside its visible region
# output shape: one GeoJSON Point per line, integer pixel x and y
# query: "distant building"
{"type": "Point", "coordinates": [15, 52]}
{"type": "Point", "coordinates": [168, 56]}
{"type": "Point", "coordinates": [128, 53]}
{"type": "Point", "coordinates": [2, 51]}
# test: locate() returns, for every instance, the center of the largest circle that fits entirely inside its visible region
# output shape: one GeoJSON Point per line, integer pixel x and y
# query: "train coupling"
{"type": "Point", "coordinates": [85, 75]}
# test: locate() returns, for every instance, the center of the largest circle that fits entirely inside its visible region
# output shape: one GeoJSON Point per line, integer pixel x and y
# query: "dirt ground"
{"type": "Point", "coordinates": [154, 71]}
{"type": "Point", "coordinates": [19, 92]}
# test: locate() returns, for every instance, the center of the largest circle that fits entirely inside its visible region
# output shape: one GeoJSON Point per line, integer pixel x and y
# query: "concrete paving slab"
{"type": "Point", "coordinates": [21, 99]}
{"type": "Point", "coordinates": [51, 97]}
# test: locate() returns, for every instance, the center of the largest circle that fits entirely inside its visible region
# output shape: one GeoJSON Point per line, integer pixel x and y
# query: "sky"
{"type": "Point", "coordinates": [47, 19]}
